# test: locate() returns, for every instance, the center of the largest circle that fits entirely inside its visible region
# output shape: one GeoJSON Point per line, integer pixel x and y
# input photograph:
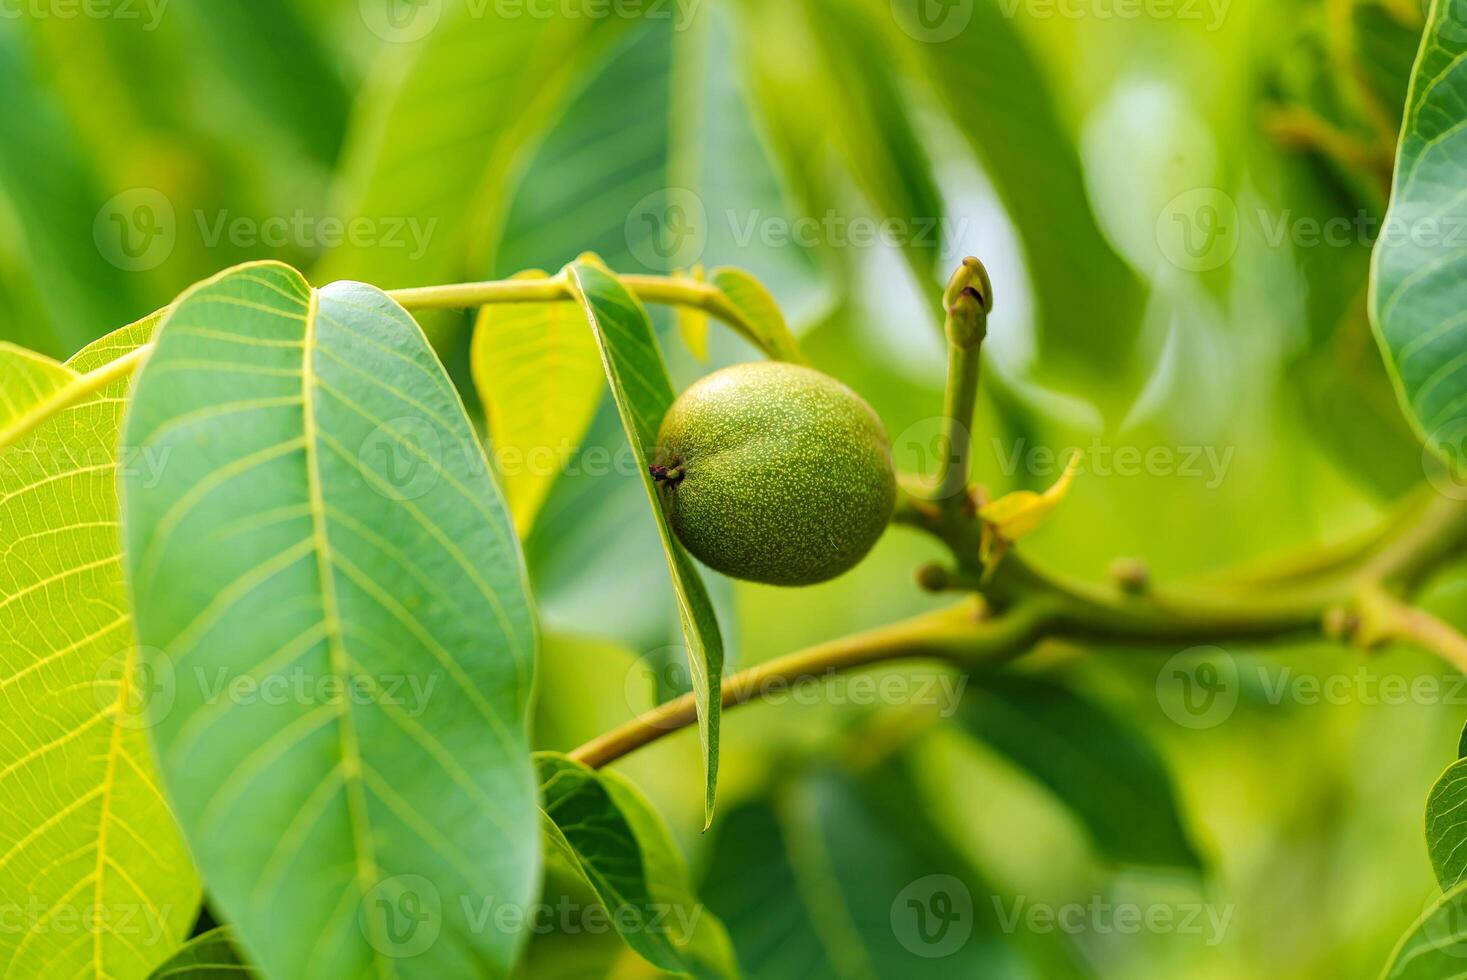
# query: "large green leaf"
{"type": "Point", "coordinates": [1446, 825]}
{"type": "Point", "coordinates": [208, 956]}
{"type": "Point", "coordinates": [1418, 299]}
{"type": "Point", "coordinates": [327, 527]}
{"type": "Point", "coordinates": [1436, 946]}
{"type": "Point", "coordinates": [539, 376]}
{"type": "Point", "coordinates": [643, 394]}
{"type": "Point", "coordinates": [85, 827]}
{"type": "Point", "coordinates": [1104, 771]}
{"type": "Point", "coordinates": [614, 839]}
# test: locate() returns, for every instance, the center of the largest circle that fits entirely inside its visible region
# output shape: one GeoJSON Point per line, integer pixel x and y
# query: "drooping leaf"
{"type": "Point", "coordinates": [1105, 772]}
{"type": "Point", "coordinates": [539, 376]}
{"type": "Point", "coordinates": [1446, 825]}
{"type": "Point", "coordinates": [209, 956]}
{"type": "Point", "coordinates": [759, 310]}
{"type": "Point", "coordinates": [1436, 945]}
{"type": "Point", "coordinates": [86, 830]}
{"type": "Point", "coordinates": [612, 837]}
{"type": "Point", "coordinates": [643, 394]}
{"type": "Point", "coordinates": [327, 527]}
{"type": "Point", "coordinates": [1418, 299]}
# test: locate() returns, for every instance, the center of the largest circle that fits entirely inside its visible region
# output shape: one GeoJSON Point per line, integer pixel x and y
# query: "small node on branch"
{"type": "Point", "coordinates": [1131, 575]}
{"type": "Point", "coordinates": [934, 577]}
{"type": "Point", "coordinates": [1341, 623]}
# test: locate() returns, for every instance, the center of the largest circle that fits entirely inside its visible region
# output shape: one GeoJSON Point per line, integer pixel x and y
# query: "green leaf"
{"type": "Point", "coordinates": [643, 394]}
{"type": "Point", "coordinates": [1446, 825]}
{"type": "Point", "coordinates": [615, 840]}
{"type": "Point", "coordinates": [1417, 295]}
{"type": "Point", "coordinates": [209, 956]}
{"type": "Point", "coordinates": [437, 144]}
{"type": "Point", "coordinates": [86, 830]}
{"type": "Point", "coordinates": [1087, 300]}
{"type": "Point", "coordinates": [1436, 946]}
{"type": "Point", "coordinates": [819, 51]}
{"type": "Point", "coordinates": [271, 56]}
{"type": "Point", "coordinates": [53, 195]}
{"type": "Point", "coordinates": [327, 576]}
{"type": "Point", "coordinates": [666, 104]}
{"type": "Point", "coordinates": [1106, 773]}
{"type": "Point", "coordinates": [539, 376]}
{"type": "Point", "coordinates": [759, 311]}
{"type": "Point", "coordinates": [751, 885]}
{"type": "Point", "coordinates": [692, 323]}
{"type": "Point", "coordinates": [824, 884]}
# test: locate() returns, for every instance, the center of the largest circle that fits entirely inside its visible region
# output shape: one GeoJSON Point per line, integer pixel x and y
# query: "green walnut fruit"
{"type": "Point", "coordinates": [775, 473]}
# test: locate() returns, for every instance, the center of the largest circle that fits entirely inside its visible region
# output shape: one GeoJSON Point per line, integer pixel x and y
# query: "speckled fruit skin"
{"type": "Point", "coordinates": [786, 473]}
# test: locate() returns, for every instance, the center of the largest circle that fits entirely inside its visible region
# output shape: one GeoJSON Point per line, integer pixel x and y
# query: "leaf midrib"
{"type": "Point", "coordinates": [351, 759]}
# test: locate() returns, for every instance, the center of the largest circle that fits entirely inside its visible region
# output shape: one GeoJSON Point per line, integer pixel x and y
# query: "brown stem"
{"type": "Point", "coordinates": [959, 635]}
{"type": "Point", "coordinates": [1036, 605]}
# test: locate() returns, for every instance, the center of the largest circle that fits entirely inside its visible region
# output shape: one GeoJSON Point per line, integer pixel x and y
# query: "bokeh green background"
{"type": "Point", "coordinates": [1148, 182]}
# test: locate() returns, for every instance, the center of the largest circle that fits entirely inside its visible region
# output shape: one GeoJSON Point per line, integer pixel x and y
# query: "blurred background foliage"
{"type": "Point", "coordinates": [1083, 154]}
